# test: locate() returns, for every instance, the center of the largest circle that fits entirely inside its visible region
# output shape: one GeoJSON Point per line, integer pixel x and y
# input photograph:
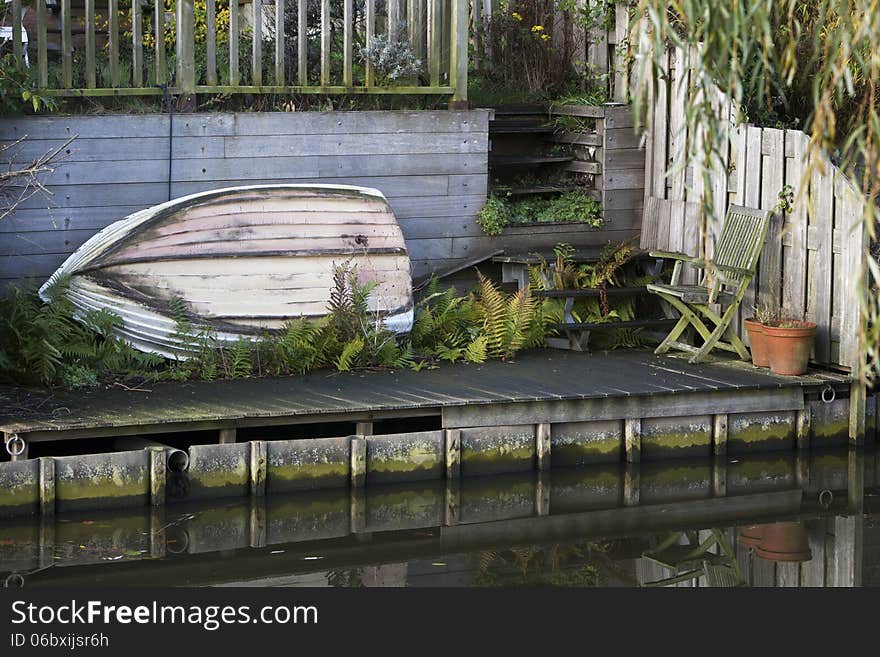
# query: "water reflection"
{"type": "Point", "coordinates": [765, 520]}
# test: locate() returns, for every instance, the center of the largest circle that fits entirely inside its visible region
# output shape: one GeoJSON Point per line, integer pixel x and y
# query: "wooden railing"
{"type": "Point", "coordinates": [139, 47]}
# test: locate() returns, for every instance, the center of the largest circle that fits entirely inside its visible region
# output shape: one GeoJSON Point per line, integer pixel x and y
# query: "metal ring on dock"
{"type": "Point", "coordinates": [15, 440]}
{"type": "Point", "coordinates": [825, 391]}
{"type": "Point", "coordinates": [14, 581]}
{"type": "Point", "coordinates": [826, 498]}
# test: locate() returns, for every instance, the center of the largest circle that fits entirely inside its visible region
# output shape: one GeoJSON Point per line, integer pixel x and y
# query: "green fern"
{"type": "Point", "coordinates": [476, 351]}
{"type": "Point", "coordinates": [350, 351]}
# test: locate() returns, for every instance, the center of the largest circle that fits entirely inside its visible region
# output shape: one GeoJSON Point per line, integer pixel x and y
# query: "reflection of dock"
{"type": "Point", "coordinates": [548, 408]}
{"type": "Point", "coordinates": [191, 544]}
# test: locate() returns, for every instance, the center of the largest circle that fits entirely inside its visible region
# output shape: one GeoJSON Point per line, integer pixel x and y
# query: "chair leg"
{"type": "Point", "coordinates": [676, 331]}
{"type": "Point", "coordinates": [721, 329]}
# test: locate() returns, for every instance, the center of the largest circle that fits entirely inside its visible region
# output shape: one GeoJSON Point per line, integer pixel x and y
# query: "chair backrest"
{"type": "Point", "coordinates": [740, 244]}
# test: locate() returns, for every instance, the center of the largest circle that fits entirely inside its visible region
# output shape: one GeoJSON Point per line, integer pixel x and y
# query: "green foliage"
{"type": "Point", "coordinates": [573, 206]}
{"type": "Point", "coordinates": [507, 320]}
{"type": "Point", "coordinates": [43, 343]}
{"type": "Point", "coordinates": [19, 92]}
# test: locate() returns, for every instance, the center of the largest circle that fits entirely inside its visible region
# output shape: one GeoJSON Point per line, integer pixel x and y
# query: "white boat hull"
{"type": "Point", "coordinates": [241, 261]}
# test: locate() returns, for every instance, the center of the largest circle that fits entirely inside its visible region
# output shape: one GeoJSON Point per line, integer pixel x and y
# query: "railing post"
{"type": "Point", "coordinates": [186, 63]}
{"type": "Point", "coordinates": [458, 55]}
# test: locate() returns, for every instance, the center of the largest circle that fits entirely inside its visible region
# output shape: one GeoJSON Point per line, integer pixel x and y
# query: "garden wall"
{"type": "Point", "coordinates": [432, 166]}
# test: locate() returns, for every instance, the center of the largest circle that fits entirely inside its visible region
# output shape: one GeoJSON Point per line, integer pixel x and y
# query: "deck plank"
{"type": "Point", "coordinates": [535, 376]}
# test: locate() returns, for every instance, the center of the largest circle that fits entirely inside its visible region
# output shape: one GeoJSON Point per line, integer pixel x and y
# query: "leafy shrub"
{"type": "Point", "coordinates": [391, 57]}
{"type": "Point", "coordinates": [575, 206]}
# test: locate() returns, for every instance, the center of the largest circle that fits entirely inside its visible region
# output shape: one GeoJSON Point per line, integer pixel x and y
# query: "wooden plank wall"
{"type": "Point", "coordinates": [812, 257]}
{"type": "Point", "coordinates": [432, 166]}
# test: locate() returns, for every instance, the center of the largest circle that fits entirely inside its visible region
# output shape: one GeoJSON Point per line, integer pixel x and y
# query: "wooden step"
{"type": "Point", "coordinates": [536, 190]}
{"type": "Point", "coordinates": [523, 160]}
{"type": "Point", "coordinates": [595, 326]}
{"type": "Point", "coordinates": [592, 292]}
{"type": "Point", "coordinates": [521, 129]}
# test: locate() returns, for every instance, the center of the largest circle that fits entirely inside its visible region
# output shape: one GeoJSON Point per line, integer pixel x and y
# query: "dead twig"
{"type": "Point", "coordinates": [19, 184]}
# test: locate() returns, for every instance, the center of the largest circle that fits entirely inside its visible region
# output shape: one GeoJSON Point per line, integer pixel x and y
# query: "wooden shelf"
{"type": "Point", "coordinates": [536, 190]}
{"type": "Point", "coordinates": [521, 129]}
{"type": "Point", "coordinates": [635, 323]}
{"type": "Point", "coordinates": [592, 292]}
{"type": "Point", "coordinates": [523, 160]}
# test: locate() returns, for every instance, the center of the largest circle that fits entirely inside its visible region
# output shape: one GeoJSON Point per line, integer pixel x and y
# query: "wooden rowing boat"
{"type": "Point", "coordinates": [239, 261]}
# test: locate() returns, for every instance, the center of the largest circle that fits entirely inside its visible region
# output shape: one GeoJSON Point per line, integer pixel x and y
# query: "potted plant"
{"type": "Point", "coordinates": [757, 342]}
{"type": "Point", "coordinates": [789, 343]}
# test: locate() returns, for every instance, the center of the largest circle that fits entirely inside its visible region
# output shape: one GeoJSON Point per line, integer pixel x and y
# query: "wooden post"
{"type": "Point", "coordinates": [227, 436]}
{"type": "Point", "coordinates": [369, 35]}
{"type": "Point", "coordinates": [542, 445]}
{"type": "Point", "coordinates": [719, 434]}
{"type": "Point", "coordinates": [434, 31]}
{"type": "Point", "coordinates": [347, 39]}
{"type": "Point", "coordinates": [157, 459]}
{"type": "Point", "coordinates": [803, 426]}
{"type": "Point", "coordinates": [358, 461]}
{"type": "Point", "coordinates": [186, 54]}
{"type": "Point", "coordinates": [47, 486]}
{"type": "Point", "coordinates": [67, 45]}
{"type": "Point", "coordinates": [358, 516]}
{"type": "Point", "coordinates": [17, 49]}
{"type": "Point", "coordinates": [632, 436]}
{"type": "Point", "coordinates": [159, 34]}
{"type": "Point", "coordinates": [233, 43]}
{"type": "Point", "coordinates": [458, 54]}
{"type": "Point", "coordinates": [364, 429]}
{"type": "Point", "coordinates": [158, 543]}
{"type": "Point", "coordinates": [858, 409]}
{"type": "Point", "coordinates": [257, 522]}
{"type": "Point", "coordinates": [325, 43]}
{"type": "Point", "coordinates": [719, 477]}
{"type": "Point", "coordinates": [258, 467]}
{"type": "Point", "coordinates": [452, 449]}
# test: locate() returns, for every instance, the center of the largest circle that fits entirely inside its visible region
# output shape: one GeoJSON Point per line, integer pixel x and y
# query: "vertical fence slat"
{"type": "Point", "coordinates": [210, 42]}
{"type": "Point", "coordinates": [186, 63]}
{"type": "Point", "coordinates": [393, 10]}
{"type": "Point", "coordinates": [66, 46]}
{"type": "Point", "coordinates": [794, 261]}
{"type": "Point", "coordinates": [90, 44]}
{"type": "Point", "coordinates": [42, 55]}
{"type": "Point", "coordinates": [772, 181]}
{"type": "Point", "coordinates": [847, 283]}
{"type": "Point", "coordinates": [302, 44]}
{"type": "Point", "coordinates": [17, 49]}
{"type": "Point", "coordinates": [159, 34]}
{"type": "Point", "coordinates": [137, 46]}
{"type": "Point", "coordinates": [677, 143]}
{"type": "Point", "coordinates": [458, 50]}
{"type": "Point", "coordinates": [752, 199]}
{"type": "Point", "coordinates": [370, 33]}
{"type": "Point", "coordinates": [621, 70]}
{"type": "Point", "coordinates": [347, 37]}
{"type": "Point", "coordinates": [234, 74]}
{"type": "Point", "coordinates": [476, 18]}
{"type": "Point", "coordinates": [113, 36]}
{"type": "Point", "coordinates": [434, 29]}
{"type": "Point", "coordinates": [325, 42]}
{"type": "Point", "coordinates": [257, 43]}
{"type": "Point", "coordinates": [840, 283]}
{"type": "Point", "coordinates": [279, 42]}
{"type": "Point", "coordinates": [819, 266]}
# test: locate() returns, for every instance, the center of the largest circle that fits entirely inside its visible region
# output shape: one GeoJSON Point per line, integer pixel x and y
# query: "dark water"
{"type": "Point", "coordinates": [677, 524]}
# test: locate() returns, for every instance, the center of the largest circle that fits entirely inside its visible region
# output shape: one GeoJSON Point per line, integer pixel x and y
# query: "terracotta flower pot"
{"type": "Point", "coordinates": [784, 541]}
{"type": "Point", "coordinates": [789, 347]}
{"type": "Point", "coordinates": [751, 536]}
{"type": "Point", "coordinates": [757, 343]}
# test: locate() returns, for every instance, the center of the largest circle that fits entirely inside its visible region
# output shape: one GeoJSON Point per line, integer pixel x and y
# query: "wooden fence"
{"type": "Point", "coordinates": [812, 259]}
{"type": "Point", "coordinates": [125, 47]}
{"type": "Point", "coordinates": [599, 53]}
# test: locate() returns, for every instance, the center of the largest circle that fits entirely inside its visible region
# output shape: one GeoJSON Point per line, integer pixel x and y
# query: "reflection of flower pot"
{"type": "Point", "coordinates": [757, 343]}
{"type": "Point", "coordinates": [751, 536]}
{"type": "Point", "coordinates": [784, 541]}
{"type": "Point", "coordinates": [789, 347]}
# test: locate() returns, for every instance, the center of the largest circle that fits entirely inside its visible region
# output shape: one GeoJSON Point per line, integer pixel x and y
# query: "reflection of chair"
{"type": "Point", "coordinates": [6, 35]}
{"type": "Point", "coordinates": [692, 559]}
{"type": "Point", "coordinates": [725, 282]}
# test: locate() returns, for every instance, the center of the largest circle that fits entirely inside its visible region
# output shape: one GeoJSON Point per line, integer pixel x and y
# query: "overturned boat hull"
{"type": "Point", "coordinates": [239, 262]}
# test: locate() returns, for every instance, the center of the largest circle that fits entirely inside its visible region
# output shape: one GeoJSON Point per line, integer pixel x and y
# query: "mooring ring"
{"type": "Point", "coordinates": [15, 580]}
{"type": "Point", "coordinates": [826, 498]}
{"type": "Point", "coordinates": [15, 440]}
{"type": "Point", "coordinates": [828, 388]}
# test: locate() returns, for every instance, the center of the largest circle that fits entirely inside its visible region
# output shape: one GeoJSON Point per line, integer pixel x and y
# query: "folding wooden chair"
{"type": "Point", "coordinates": [724, 282]}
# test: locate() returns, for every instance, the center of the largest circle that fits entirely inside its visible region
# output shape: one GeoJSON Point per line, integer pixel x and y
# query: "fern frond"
{"type": "Point", "coordinates": [349, 353]}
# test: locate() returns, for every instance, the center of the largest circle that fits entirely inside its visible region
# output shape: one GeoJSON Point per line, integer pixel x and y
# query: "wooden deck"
{"type": "Point", "coordinates": [540, 386]}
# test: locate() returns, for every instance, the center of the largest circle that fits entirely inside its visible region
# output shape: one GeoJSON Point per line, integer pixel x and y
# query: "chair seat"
{"type": "Point", "coordinates": [690, 293]}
